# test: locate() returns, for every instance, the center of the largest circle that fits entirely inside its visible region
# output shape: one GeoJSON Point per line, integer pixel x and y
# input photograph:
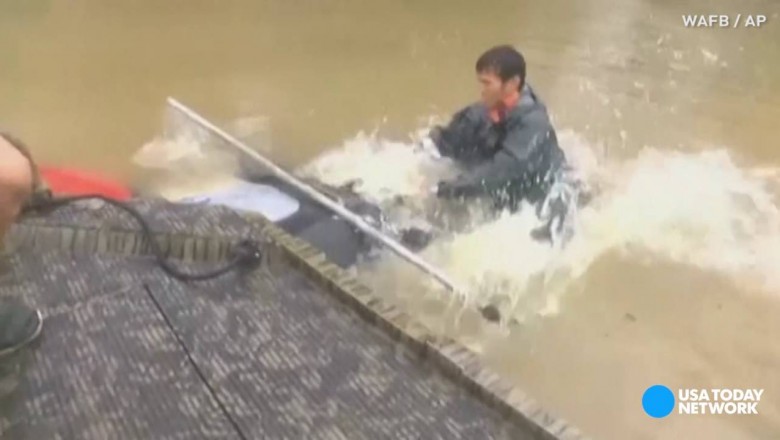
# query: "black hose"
{"type": "Point", "coordinates": [246, 254]}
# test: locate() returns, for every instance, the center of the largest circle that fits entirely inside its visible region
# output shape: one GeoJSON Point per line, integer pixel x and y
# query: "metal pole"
{"type": "Point", "coordinates": [346, 214]}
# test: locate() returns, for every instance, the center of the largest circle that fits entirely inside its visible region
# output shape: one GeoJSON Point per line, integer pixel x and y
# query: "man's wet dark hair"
{"type": "Point", "coordinates": [505, 61]}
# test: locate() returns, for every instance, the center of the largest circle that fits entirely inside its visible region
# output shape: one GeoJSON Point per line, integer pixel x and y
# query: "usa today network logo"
{"type": "Point", "coordinates": [659, 401]}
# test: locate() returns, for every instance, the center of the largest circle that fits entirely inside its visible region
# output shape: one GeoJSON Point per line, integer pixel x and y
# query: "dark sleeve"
{"type": "Point", "coordinates": [522, 156]}
{"type": "Point", "coordinates": [490, 178]}
{"type": "Point", "coordinates": [460, 139]}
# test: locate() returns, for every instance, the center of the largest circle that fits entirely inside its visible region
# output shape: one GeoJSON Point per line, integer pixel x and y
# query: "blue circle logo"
{"type": "Point", "coordinates": [658, 401]}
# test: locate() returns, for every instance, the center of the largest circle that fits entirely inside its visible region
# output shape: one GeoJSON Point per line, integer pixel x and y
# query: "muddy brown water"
{"type": "Point", "coordinates": [84, 83]}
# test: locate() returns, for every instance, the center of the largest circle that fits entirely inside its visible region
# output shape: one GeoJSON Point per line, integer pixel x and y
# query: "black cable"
{"type": "Point", "coordinates": [246, 253]}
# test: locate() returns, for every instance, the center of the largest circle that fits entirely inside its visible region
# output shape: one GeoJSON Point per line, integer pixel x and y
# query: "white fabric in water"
{"type": "Point", "coordinates": [246, 196]}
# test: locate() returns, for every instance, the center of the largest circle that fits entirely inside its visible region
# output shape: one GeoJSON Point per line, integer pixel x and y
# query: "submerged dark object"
{"type": "Point", "coordinates": [416, 239]}
{"type": "Point", "coordinates": [302, 217]}
{"type": "Point", "coordinates": [490, 313]}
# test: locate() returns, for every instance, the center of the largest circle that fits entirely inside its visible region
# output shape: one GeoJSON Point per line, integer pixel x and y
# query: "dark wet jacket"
{"type": "Point", "coordinates": [512, 160]}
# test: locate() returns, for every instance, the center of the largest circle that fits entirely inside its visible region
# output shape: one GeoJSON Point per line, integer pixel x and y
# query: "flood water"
{"type": "Point", "coordinates": [675, 278]}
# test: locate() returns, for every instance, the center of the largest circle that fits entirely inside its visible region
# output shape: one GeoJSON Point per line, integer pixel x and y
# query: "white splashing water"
{"type": "Point", "coordinates": [186, 160]}
{"type": "Point", "coordinates": [698, 209]}
{"type": "Point", "coordinates": [183, 166]}
{"type": "Point", "coordinates": [383, 169]}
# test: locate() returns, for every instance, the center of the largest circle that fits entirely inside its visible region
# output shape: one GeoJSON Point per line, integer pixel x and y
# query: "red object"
{"type": "Point", "coordinates": [70, 182]}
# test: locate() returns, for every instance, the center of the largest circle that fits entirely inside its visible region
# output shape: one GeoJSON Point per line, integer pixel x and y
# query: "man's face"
{"type": "Point", "coordinates": [494, 90]}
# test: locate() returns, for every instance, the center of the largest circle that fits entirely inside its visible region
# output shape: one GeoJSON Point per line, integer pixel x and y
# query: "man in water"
{"type": "Point", "coordinates": [506, 145]}
{"type": "Point", "coordinates": [19, 324]}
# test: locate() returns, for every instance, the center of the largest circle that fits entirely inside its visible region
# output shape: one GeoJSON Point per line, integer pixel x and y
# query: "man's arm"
{"type": "Point", "coordinates": [460, 139]}
{"type": "Point", "coordinates": [520, 158]}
